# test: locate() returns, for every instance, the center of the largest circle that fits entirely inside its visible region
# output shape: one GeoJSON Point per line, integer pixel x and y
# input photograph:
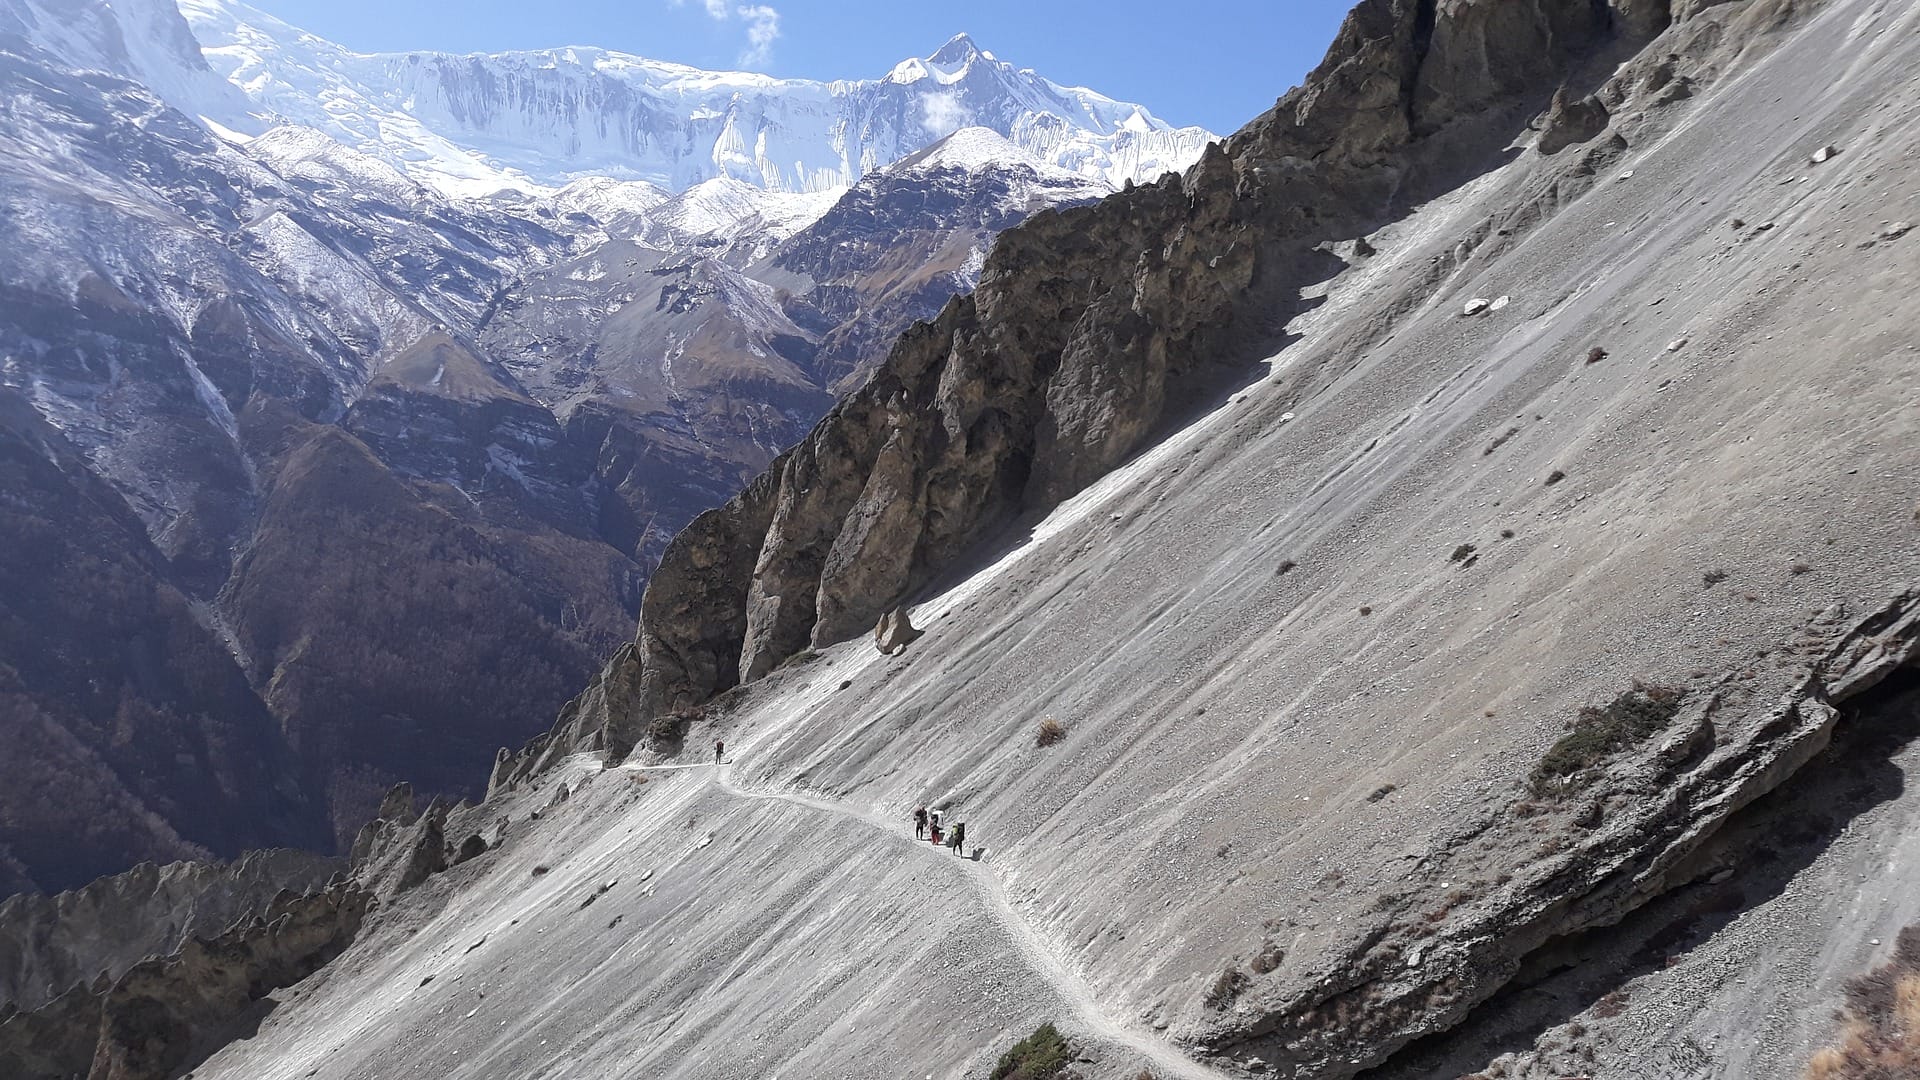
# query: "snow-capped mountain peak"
{"type": "Point", "coordinates": [536, 121]}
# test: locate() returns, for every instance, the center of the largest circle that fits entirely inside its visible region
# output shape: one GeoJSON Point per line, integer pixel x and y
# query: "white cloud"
{"type": "Point", "coordinates": [942, 114]}
{"type": "Point", "coordinates": [763, 26]}
{"type": "Point", "coordinates": [762, 23]}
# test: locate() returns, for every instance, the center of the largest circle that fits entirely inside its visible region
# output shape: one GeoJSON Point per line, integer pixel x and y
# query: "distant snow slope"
{"type": "Point", "coordinates": [535, 120]}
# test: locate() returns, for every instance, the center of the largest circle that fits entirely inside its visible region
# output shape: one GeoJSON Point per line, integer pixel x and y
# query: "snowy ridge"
{"type": "Point", "coordinates": [534, 121]}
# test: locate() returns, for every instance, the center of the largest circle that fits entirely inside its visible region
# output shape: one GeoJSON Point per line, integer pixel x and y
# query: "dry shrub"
{"type": "Point", "coordinates": [1227, 987]}
{"type": "Point", "coordinates": [1603, 731]}
{"type": "Point", "coordinates": [1050, 731]}
{"type": "Point", "coordinates": [1043, 1055]}
{"type": "Point", "coordinates": [1880, 1036]}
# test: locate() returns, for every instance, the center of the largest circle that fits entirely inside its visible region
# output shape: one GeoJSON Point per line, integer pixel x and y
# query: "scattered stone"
{"type": "Point", "coordinates": [1361, 248]}
{"type": "Point", "coordinates": [1284, 417]}
{"type": "Point", "coordinates": [1461, 552]}
{"type": "Point", "coordinates": [426, 980]}
{"type": "Point", "coordinates": [1676, 344]}
{"type": "Point", "coordinates": [1737, 223]}
{"type": "Point", "coordinates": [844, 683]}
{"type": "Point", "coordinates": [1499, 302]}
{"type": "Point", "coordinates": [1555, 477]}
{"type": "Point", "coordinates": [1824, 155]}
{"type": "Point", "coordinates": [1475, 306]}
{"type": "Point", "coordinates": [1286, 566]}
{"type": "Point", "coordinates": [1713, 577]}
{"type": "Point", "coordinates": [1896, 230]}
{"type": "Point", "coordinates": [1365, 610]}
{"type": "Point", "coordinates": [1628, 175]}
{"type": "Point", "coordinates": [1596, 354]}
{"type": "Point", "coordinates": [539, 870]}
{"type": "Point", "coordinates": [1382, 792]}
{"type": "Point", "coordinates": [894, 632]}
{"type": "Point", "coordinates": [1763, 226]}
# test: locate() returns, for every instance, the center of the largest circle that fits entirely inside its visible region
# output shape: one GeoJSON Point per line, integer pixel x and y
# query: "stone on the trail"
{"type": "Point", "coordinates": [1896, 230]}
{"type": "Point", "coordinates": [1676, 344]}
{"type": "Point", "coordinates": [1285, 417]}
{"type": "Point", "coordinates": [1499, 302]}
{"type": "Point", "coordinates": [1824, 154]}
{"type": "Point", "coordinates": [1475, 306]}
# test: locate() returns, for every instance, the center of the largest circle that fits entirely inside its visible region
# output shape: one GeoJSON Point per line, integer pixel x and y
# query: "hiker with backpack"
{"type": "Point", "coordinates": [920, 824]}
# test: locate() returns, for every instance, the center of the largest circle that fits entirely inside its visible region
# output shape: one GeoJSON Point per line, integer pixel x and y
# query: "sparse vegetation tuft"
{"type": "Point", "coordinates": [1231, 983]}
{"type": "Point", "coordinates": [1880, 1033]}
{"type": "Point", "coordinates": [1714, 577]}
{"type": "Point", "coordinates": [1461, 552]}
{"type": "Point", "coordinates": [1555, 477]}
{"type": "Point", "coordinates": [1049, 732]}
{"type": "Point", "coordinates": [1600, 732]}
{"type": "Point", "coordinates": [1042, 1055]}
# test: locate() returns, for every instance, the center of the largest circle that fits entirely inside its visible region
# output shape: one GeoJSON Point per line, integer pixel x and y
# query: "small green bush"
{"type": "Point", "coordinates": [1603, 731]}
{"type": "Point", "coordinates": [1042, 1055]}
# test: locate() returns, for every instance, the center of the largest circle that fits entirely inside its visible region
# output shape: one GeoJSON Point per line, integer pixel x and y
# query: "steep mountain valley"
{"type": "Point", "coordinates": [1431, 589]}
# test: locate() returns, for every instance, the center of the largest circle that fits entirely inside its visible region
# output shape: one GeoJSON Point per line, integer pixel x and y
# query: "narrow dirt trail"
{"type": "Point", "coordinates": [1027, 942]}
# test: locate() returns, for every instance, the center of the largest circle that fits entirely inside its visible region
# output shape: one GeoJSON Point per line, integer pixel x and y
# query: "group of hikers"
{"type": "Point", "coordinates": [928, 826]}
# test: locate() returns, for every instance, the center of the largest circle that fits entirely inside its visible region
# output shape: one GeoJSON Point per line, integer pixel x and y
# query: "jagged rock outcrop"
{"type": "Point", "coordinates": [50, 943]}
{"type": "Point", "coordinates": [1571, 121]}
{"type": "Point", "coordinates": [1634, 835]}
{"type": "Point", "coordinates": [1090, 326]}
{"type": "Point", "coordinates": [149, 1023]}
{"type": "Point", "coordinates": [394, 855]}
{"type": "Point", "coordinates": [895, 631]}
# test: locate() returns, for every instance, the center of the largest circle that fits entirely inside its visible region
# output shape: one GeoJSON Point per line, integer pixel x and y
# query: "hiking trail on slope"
{"type": "Point", "coordinates": [1027, 941]}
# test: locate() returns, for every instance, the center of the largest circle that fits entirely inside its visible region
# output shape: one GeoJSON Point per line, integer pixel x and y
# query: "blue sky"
{"type": "Point", "coordinates": [1217, 63]}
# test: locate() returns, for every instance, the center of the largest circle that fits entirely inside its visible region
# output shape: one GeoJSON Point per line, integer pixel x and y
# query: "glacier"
{"type": "Point", "coordinates": [536, 121]}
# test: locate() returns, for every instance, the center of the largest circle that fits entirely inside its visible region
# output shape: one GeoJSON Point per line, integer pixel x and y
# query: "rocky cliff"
{"type": "Point", "coordinates": [51, 943]}
{"type": "Point", "coordinates": [1090, 327]}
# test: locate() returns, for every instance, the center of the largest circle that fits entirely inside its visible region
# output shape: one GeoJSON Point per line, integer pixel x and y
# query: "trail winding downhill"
{"type": "Point", "coordinates": [1027, 942]}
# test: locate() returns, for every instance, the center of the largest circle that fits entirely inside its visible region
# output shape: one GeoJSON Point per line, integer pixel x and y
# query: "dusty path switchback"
{"type": "Point", "coordinates": [1088, 1013]}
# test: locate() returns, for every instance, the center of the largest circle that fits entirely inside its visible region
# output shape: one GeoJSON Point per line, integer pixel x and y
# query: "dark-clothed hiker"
{"type": "Point", "coordinates": [718, 749]}
{"type": "Point", "coordinates": [959, 838]}
{"type": "Point", "coordinates": [920, 824]}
